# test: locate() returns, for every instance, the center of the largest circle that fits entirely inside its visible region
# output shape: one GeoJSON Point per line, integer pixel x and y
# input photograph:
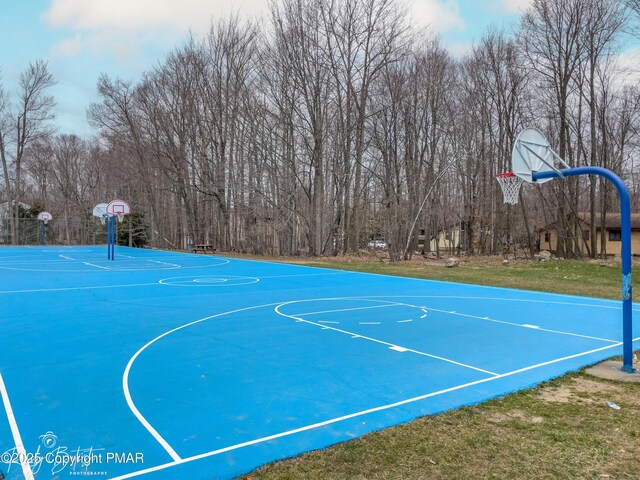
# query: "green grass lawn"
{"type": "Point", "coordinates": [560, 429]}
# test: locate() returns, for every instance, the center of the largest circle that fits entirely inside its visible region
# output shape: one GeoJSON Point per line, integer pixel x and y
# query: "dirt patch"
{"type": "Point", "coordinates": [580, 390]}
{"type": "Point", "coordinates": [502, 417]}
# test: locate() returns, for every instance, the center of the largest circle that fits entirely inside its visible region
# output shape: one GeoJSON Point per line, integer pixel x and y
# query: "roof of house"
{"type": "Point", "coordinates": [612, 220]}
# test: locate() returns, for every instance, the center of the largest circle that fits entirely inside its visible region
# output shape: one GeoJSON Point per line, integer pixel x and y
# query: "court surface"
{"type": "Point", "coordinates": [169, 365]}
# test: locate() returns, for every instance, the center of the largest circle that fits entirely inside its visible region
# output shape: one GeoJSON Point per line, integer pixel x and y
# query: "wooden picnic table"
{"type": "Point", "coordinates": [203, 248]}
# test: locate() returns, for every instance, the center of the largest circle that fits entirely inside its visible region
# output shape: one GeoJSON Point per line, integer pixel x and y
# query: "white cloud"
{"type": "Point", "coordinates": [439, 15]}
{"type": "Point", "coordinates": [68, 47]}
{"type": "Point", "coordinates": [122, 27]}
{"type": "Point", "coordinates": [460, 49]}
{"type": "Point", "coordinates": [137, 15]}
{"type": "Point", "coordinates": [628, 63]}
{"type": "Point", "coordinates": [515, 6]}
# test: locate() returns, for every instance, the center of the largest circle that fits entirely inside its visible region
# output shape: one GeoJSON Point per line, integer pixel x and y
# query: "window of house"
{"type": "Point", "coordinates": [547, 237]}
{"type": "Point", "coordinates": [585, 235]}
{"type": "Point", "coordinates": [447, 236]}
{"type": "Point", "coordinates": [615, 236]}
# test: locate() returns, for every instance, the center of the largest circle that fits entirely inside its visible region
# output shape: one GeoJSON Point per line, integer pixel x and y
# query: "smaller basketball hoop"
{"type": "Point", "coordinates": [510, 185]}
{"type": "Point", "coordinates": [44, 217]}
{"type": "Point", "coordinates": [100, 211]}
{"type": "Point", "coordinates": [119, 208]}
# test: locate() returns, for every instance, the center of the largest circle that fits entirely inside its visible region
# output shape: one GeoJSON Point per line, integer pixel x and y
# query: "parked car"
{"type": "Point", "coordinates": [377, 244]}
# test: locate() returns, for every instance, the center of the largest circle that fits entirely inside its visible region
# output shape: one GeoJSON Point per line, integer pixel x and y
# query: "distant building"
{"type": "Point", "coordinates": [548, 235]}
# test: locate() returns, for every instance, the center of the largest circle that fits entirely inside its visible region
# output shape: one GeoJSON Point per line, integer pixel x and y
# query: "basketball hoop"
{"type": "Point", "coordinates": [510, 185]}
{"type": "Point", "coordinates": [120, 217]}
{"type": "Point", "coordinates": [44, 217]}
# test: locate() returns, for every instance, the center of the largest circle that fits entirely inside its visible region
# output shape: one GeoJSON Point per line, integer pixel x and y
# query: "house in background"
{"type": "Point", "coordinates": [448, 239]}
{"type": "Point", "coordinates": [548, 235]}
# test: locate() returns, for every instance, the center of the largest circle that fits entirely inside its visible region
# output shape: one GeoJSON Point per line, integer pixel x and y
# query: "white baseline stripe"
{"type": "Point", "coordinates": [357, 414]}
{"type": "Point", "coordinates": [62, 289]}
{"type": "Point", "coordinates": [24, 462]}
{"type": "Point", "coordinates": [33, 260]}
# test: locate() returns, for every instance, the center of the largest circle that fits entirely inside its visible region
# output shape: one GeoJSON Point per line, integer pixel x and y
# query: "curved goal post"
{"type": "Point", "coordinates": [534, 161]}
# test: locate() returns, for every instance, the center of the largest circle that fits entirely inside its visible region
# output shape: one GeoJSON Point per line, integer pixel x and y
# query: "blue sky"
{"type": "Point", "coordinates": [83, 38]}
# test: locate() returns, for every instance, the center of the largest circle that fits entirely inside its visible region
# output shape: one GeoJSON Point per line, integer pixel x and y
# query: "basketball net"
{"type": "Point", "coordinates": [510, 184]}
{"type": "Point", "coordinates": [120, 217]}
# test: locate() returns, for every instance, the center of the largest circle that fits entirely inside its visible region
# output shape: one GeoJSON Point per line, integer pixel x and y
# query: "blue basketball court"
{"type": "Point", "coordinates": [168, 365]}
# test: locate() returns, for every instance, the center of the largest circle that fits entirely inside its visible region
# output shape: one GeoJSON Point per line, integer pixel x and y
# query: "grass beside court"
{"type": "Point", "coordinates": [572, 277]}
{"type": "Point", "coordinates": [560, 429]}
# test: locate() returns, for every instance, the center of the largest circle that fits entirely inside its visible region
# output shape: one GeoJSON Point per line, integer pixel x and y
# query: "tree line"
{"type": "Point", "coordinates": [334, 122]}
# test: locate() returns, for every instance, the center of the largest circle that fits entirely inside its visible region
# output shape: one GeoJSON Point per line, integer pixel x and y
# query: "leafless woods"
{"type": "Point", "coordinates": [336, 122]}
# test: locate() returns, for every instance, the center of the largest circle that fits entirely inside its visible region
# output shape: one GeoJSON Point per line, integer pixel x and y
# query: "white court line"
{"type": "Point", "coordinates": [350, 309]}
{"type": "Point", "coordinates": [127, 395]}
{"type": "Point", "coordinates": [305, 275]}
{"type": "Point", "coordinates": [35, 261]}
{"type": "Point", "coordinates": [66, 257]}
{"type": "Point", "coordinates": [166, 263]}
{"type": "Point", "coordinates": [127, 370]}
{"type": "Point", "coordinates": [382, 342]}
{"type": "Point", "coordinates": [370, 323]}
{"type": "Point", "coordinates": [500, 299]}
{"type": "Point", "coordinates": [533, 327]}
{"type": "Point", "coordinates": [114, 268]}
{"type": "Point", "coordinates": [97, 266]}
{"type": "Point", "coordinates": [62, 289]}
{"type": "Point", "coordinates": [22, 454]}
{"type": "Point", "coordinates": [399, 349]}
{"type": "Point", "coordinates": [356, 414]}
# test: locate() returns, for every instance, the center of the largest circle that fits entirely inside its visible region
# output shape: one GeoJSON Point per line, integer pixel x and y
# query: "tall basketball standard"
{"type": "Point", "coordinates": [108, 212]}
{"type": "Point", "coordinates": [43, 218]}
{"type": "Point", "coordinates": [534, 161]}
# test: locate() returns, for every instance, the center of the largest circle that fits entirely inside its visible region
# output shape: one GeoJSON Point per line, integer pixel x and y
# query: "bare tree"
{"type": "Point", "coordinates": [27, 122]}
{"type": "Point", "coordinates": [551, 36]}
